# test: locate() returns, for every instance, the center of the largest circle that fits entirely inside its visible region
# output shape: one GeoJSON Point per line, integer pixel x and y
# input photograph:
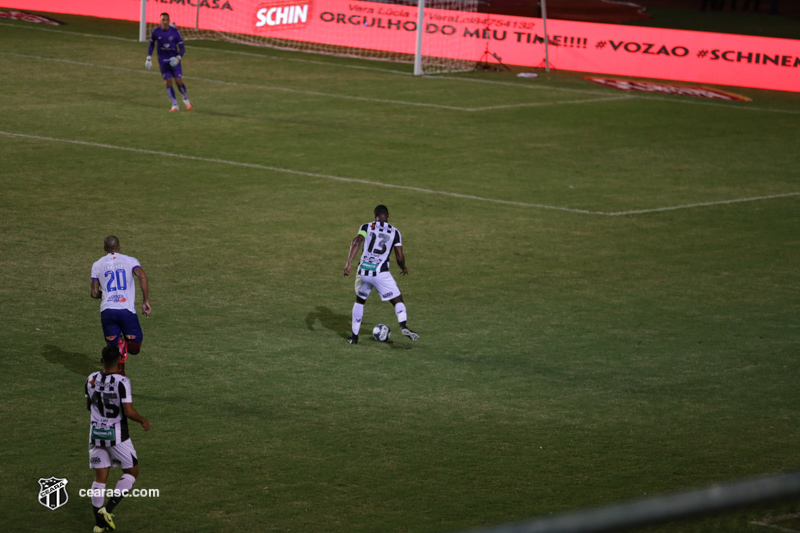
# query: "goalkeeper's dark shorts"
{"type": "Point", "coordinates": [168, 72]}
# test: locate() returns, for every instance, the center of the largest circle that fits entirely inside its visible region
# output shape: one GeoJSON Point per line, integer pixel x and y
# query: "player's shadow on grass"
{"type": "Point", "coordinates": [75, 362]}
{"type": "Point", "coordinates": [339, 324]}
{"type": "Point", "coordinates": [397, 345]}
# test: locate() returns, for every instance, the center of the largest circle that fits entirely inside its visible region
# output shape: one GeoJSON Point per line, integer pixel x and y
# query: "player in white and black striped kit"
{"type": "Point", "coordinates": [379, 239]}
{"type": "Point", "coordinates": [108, 398]}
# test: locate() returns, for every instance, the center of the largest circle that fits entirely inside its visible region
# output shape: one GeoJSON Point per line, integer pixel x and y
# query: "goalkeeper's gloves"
{"type": "Point", "coordinates": [174, 61]}
{"type": "Point", "coordinates": [148, 63]}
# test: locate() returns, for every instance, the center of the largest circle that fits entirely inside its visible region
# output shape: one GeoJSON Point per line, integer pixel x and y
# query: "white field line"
{"type": "Point", "coordinates": [322, 94]}
{"type": "Point", "coordinates": [289, 171]}
{"type": "Point", "coordinates": [311, 61]}
{"type": "Point", "coordinates": [53, 30]}
{"type": "Point", "coordinates": [703, 204]}
{"type": "Point", "coordinates": [531, 85]}
{"type": "Point", "coordinates": [380, 184]}
{"type": "Point", "coordinates": [447, 78]}
{"type": "Point", "coordinates": [773, 526]}
{"type": "Point", "coordinates": [560, 102]}
{"type": "Point", "coordinates": [770, 522]}
{"type": "Point", "coordinates": [639, 95]}
{"type": "Point", "coordinates": [712, 103]}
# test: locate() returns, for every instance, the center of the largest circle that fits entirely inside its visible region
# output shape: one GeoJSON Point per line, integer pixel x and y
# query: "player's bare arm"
{"type": "Point", "coordinates": [131, 413]}
{"type": "Point", "coordinates": [139, 273]}
{"type": "Point", "coordinates": [401, 259]}
{"type": "Point", "coordinates": [95, 290]}
{"type": "Point", "coordinates": [355, 246]}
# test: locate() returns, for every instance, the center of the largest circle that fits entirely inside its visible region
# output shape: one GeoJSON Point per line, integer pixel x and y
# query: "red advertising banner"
{"type": "Point", "coordinates": [19, 15]}
{"type": "Point", "coordinates": [699, 57]}
{"type": "Point", "coordinates": [115, 9]}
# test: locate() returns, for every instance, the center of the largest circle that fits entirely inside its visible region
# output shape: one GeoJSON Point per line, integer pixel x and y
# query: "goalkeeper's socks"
{"type": "Point", "coordinates": [171, 94]}
{"type": "Point", "coordinates": [183, 91]}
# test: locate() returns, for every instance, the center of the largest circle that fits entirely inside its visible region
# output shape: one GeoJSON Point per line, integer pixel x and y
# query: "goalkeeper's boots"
{"type": "Point", "coordinates": [353, 339]}
{"type": "Point", "coordinates": [173, 108]}
{"type": "Point", "coordinates": [100, 529]}
{"type": "Point", "coordinates": [188, 104]}
{"type": "Point", "coordinates": [108, 518]}
{"type": "Point", "coordinates": [410, 334]}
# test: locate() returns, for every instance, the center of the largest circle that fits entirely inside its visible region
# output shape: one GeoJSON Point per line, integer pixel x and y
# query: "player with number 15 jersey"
{"type": "Point", "coordinates": [109, 400]}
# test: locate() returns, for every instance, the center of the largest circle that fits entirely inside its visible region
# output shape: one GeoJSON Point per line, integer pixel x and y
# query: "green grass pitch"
{"type": "Point", "coordinates": [581, 344]}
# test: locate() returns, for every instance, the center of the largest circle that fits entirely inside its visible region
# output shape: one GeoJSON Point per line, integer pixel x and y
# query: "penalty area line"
{"type": "Point", "coordinates": [292, 171]}
{"type": "Point", "coordinates": [389, 185]}
{"type": "Point", "coordinates": [702, 204]}
{"type": "Point", "coordinates": [558, 102]}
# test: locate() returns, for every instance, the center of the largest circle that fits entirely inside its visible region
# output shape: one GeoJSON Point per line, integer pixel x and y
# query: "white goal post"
{"type": "Point", "coordinates": [406, 31]}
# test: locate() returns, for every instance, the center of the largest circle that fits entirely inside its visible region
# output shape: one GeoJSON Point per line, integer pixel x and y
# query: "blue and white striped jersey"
{"type": "Point", "coordinates": [107, 392]}
{"type": "Point", "coordinates": [380, 238]}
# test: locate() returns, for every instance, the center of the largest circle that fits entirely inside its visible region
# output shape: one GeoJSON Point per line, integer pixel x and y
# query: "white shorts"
{"type": "Point", "coordinates": [122, 455]}
{"type": "Point", "coordinates": [383, 282]}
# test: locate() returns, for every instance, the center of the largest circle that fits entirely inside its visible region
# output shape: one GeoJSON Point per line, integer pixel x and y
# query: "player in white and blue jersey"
{"type": "Point", "coordinates": [113, 284]}
{"type": "Point", "coordinates": [379, 239]}
{"type": "Point", "coordinates": [109, 400]}
{"type": "Point", "coordinates": [168, 42]}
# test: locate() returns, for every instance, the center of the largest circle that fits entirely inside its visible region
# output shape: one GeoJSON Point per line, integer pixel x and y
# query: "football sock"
{"type": "Point", "coordinates": [400, 311]}
{"type": "Point", "coordinates": [98, 489]}
{"type": "Point", "coordinates": [171, 94]}
{"type": "Point", "coordinates": [358, 314]}
{"type": "Point", "coordinates": [124, 485]}
{"type": "Point", "coordinates": [183, 91]}
{"type": "Point", "coordinates": [98, 520]}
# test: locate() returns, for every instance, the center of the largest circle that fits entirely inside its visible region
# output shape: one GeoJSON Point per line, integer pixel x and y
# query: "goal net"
{"type": "Point", "coordinates": [381, 30]}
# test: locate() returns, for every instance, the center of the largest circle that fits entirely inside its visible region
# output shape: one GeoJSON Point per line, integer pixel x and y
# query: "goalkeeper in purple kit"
{"type": "Point", "coordinates": [170, 51]}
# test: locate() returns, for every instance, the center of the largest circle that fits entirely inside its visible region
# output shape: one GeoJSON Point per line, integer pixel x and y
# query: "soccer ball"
{"type": "Point", "coordinates": [381, 332]}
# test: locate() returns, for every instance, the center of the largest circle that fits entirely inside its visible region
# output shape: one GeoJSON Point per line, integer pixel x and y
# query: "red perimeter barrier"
{"type": "Point", "coordinates": [717, 58]}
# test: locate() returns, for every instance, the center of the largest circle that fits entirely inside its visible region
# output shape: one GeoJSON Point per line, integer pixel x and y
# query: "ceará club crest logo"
{"type": "Point", "coordinates": [53, 492]}
{"type": "Point", "coordinates": [283, 14]}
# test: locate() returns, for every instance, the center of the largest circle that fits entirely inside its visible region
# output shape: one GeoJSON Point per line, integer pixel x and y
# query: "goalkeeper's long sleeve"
{"type": "Point", "coordinates": [166, 43]}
